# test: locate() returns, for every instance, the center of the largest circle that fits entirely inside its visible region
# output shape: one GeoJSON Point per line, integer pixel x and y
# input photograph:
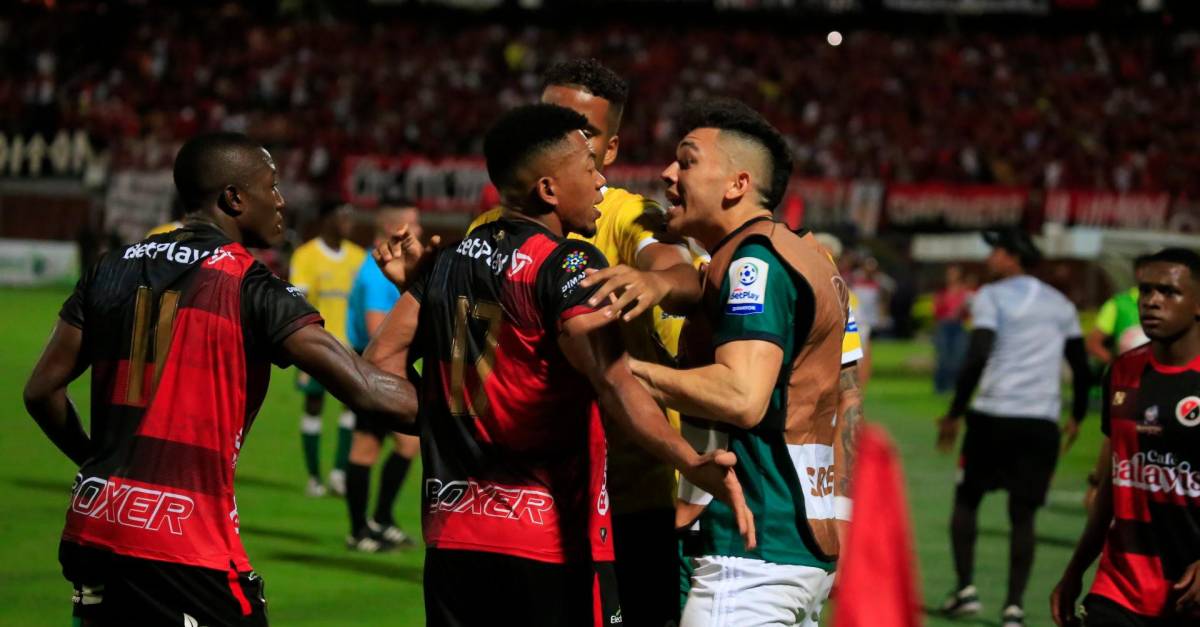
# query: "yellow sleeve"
{"type": "Point", "coordinates": [852, 348]}
{"type": "Point", "coordinates": [301, 272]}
{"type": "Point", "coordinates": [163, 228]}
{"type": "Point", "coordinates": [637, 219]}
{"type": "Point", "coordinates": [491, 215]}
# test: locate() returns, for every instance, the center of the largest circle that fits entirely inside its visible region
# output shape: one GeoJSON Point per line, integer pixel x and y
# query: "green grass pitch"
{"type": "Point", "coordinates": [296, 543]}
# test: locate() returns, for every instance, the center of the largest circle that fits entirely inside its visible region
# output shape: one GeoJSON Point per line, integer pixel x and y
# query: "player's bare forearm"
{"type": "Point", "coordinates": [352, 379]}
{"type": "Point", "coordinates": [388, 349]}
{"type": "Point", "coordinates": [849, 423]}
{"type": "Point", "coordinates": [685, 288]}
{"type": "Point", "coordinates": [672, 263]}
{"type": "Point", "coordinates": [598, 354]}
{"type": "Point", "coordinates": [735, 390]}
{"type": "Point", "coordinates": [46, 397]}
{"type": "Point", "coordinates": [709, 392]}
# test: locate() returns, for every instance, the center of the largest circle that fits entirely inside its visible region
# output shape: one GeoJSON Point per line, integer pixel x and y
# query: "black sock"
{"type": "Point", "coordinates": [390, 480]}
{"type": "Point", "coordinates": [962, 537]}
{"type": "Point", "coordinates": [358, 484]}
{"type": "Point", "coordinates": [1020, 551]}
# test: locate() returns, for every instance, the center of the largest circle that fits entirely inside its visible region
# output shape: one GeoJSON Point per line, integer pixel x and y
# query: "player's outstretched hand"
{"type": "Point", "coordinates": [1062, 600]}
{"type": "Point", "coordinates": [947, 433]}
{"type": "Point", "coordinates": [1188, 590]}
{"type": "Point", "coordinates": [401, 254]}
{"type": "Point", "coordinates": [626, 288]}
{"type": "Point", "coordinates": [713, 473]}
{"type": "Point", "coordinates": [1070, 432]}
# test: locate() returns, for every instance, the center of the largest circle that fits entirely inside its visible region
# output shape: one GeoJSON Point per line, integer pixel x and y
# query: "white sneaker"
{"type": "Point", "coordinates": [392, 534]}
{"type": "Point", "coordinates": [964, 602]}
{"type": "Point", "coordinates": [315, 488]}
{"type": "Point", "coordinates": [337, 481]}
{"type": "Point", "coordinates": [1013, 616]}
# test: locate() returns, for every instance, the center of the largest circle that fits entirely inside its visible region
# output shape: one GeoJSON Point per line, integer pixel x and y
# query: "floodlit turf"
{"type": "Point", "coordinates": [296, 543]}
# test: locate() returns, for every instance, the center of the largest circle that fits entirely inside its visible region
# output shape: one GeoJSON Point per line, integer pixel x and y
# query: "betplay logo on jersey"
{"type": "Point", "coordinates": [747, 287]}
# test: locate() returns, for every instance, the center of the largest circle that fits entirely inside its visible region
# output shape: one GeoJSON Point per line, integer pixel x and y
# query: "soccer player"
{"type": "Point", "coordinates": [647, 272]}
{"type": "Point", "coordinates": [324, 269]}
{"type": "Point", "coordinates": [516, 515]}
{"type": "Point", "coordinates": [1022, 330]}
{"type": "Point", "coordinates": [766, 365]}
{"type": "Point", "coordinates": [180, 332]}
{"type": "Point", "coordinates": [1117, 328]}
{"type": "Point", "coordinates": [371, 298]}
{"type": "Point", "coordinates": [1145, 522]}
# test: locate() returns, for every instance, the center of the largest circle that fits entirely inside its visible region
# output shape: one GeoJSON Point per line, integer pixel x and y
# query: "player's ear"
{"type": "Point", "coordinates": [610, 151]}
{"type": "Point", "coordinates": [230, 201]}
{"type": "Point", "coordinates": [546, 190]}
{"type": "Point", "coordinates": [740, 185]}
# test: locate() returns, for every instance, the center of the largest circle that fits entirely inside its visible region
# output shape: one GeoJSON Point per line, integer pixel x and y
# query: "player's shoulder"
{"type": "Point", "coordinates": [487, 217]}
{"type": "Point", "coordinates": [305, 250]}
{"type": "Point", "coordinates": [631, 208]}
{"type": "Point", "coordinates": [1128, 366]}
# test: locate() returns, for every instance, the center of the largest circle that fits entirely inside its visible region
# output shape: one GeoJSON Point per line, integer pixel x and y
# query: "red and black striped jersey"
{"type": "Point", "coordinates": [180, 331]}
{"type": "Point", "coordinates": [1152, 417]}
{"type": "Point", "coordinates": [511, 440]}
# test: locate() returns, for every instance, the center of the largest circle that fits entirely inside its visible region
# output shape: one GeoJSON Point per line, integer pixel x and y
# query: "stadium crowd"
{"type": "Point", "coordinates": [1095, 111]}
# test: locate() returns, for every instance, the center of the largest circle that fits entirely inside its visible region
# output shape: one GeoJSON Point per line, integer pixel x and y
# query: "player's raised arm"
{"type": "Point", "coordinates": [596, 351]}
{"type": "Point", "coordinates": [350, 378]}
{"type": "Point", "coordinates": [389, 348]}
{"type": "Point", "coordinates": [665, 276]}
{"type": "Point", "coordinates": [46, 398]}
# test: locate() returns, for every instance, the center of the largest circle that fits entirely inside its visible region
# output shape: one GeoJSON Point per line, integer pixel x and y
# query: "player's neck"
{"type": "Point", "coordinates": [333, 241]}
{"type": "Point", "coordinates": [1180, 350]}
{"type": "Point", "coordinates": [549, 220]}
{"type": "Point", "coordinates": [728, 221]}
{"type": "Point", "coordinates": [218, 220]}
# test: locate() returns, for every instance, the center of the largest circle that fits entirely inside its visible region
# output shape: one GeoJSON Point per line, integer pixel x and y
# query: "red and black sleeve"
{"type": "Point", "coordinates": [272, 310]}
{"type": "Point", "coordinates": [558, 282]}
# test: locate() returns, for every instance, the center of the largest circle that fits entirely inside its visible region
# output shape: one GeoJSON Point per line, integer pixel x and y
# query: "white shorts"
{"type": "Point", "coordinates": [743, 592]}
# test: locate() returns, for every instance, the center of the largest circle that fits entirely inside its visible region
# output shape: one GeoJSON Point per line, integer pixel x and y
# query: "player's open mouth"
{"type": "Point", "coordinates": [675, 200]}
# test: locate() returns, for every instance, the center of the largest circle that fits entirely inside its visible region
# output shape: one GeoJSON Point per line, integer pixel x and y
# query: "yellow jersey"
{"type": "Point", "coordinates": [326, 276]}
{"type": "Point", "coordinates": [166, 227]}
{"type": "Point", "coordinates": [627, 224]}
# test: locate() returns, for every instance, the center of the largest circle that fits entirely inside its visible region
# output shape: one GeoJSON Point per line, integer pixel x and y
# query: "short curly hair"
{"type": "Point", "coordinates": [591, 75]}
{"type": "Point", "coordinates": [735, 117]}
{"type": "Point", "coordinates": [522, 134]}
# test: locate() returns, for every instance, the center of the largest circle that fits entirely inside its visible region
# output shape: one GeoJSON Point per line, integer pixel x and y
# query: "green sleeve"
{"type": "Point", "coordinates": [758, 299]}
{"type": "Point", "coordinates": [1106, 319]}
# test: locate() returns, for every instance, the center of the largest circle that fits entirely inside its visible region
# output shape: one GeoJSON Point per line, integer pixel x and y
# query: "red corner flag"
{"type": "Point", "coordinates": [876, 576]}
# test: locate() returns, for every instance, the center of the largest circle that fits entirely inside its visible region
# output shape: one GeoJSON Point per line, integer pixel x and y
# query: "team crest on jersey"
{"type": "Point", "coordinates": [1188, 411]}
{"type": "Point", "coordinates": [748, 287]}
{"type": "Point", "coordinates": [1151, 415]}
{"type": "Point", "coordinates": [575, 261]}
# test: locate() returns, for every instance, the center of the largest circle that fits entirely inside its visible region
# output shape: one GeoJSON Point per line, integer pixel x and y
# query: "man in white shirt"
{"type": "Point", "coordinates": [1022, 330]}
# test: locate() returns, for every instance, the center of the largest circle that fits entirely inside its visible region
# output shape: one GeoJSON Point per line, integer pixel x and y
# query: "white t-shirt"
{"type": "Point", "coordinates": [1032, 322]}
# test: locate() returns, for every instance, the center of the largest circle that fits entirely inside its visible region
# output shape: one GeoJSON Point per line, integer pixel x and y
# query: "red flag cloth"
{"type": "Point", "coordinates": [877, 581]}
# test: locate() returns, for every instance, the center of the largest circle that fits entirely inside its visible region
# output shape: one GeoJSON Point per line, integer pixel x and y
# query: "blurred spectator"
{"type": "Point", "coordinates": [949, 334]}
{"type": "Point", "coordinates": [1109, 112]}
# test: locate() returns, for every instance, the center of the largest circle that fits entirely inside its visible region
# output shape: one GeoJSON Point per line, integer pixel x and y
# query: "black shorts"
{"type": "Point", "coordinates": [647, 551]}
{"type": "Point", "coordinates": [364, 423]}
{"type": "Point", "coordinates": [1102, 612]}
{"type": "Point", "coordinates": [469, 588]}
{"type": "Point", "coordinates": [116, 590]}
{"type": "Point", "coordinates": [1017, 455]}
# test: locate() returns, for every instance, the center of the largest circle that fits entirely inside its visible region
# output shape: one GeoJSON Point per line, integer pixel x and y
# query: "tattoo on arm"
{"type": "Point", "coordinates": [850, 415]}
